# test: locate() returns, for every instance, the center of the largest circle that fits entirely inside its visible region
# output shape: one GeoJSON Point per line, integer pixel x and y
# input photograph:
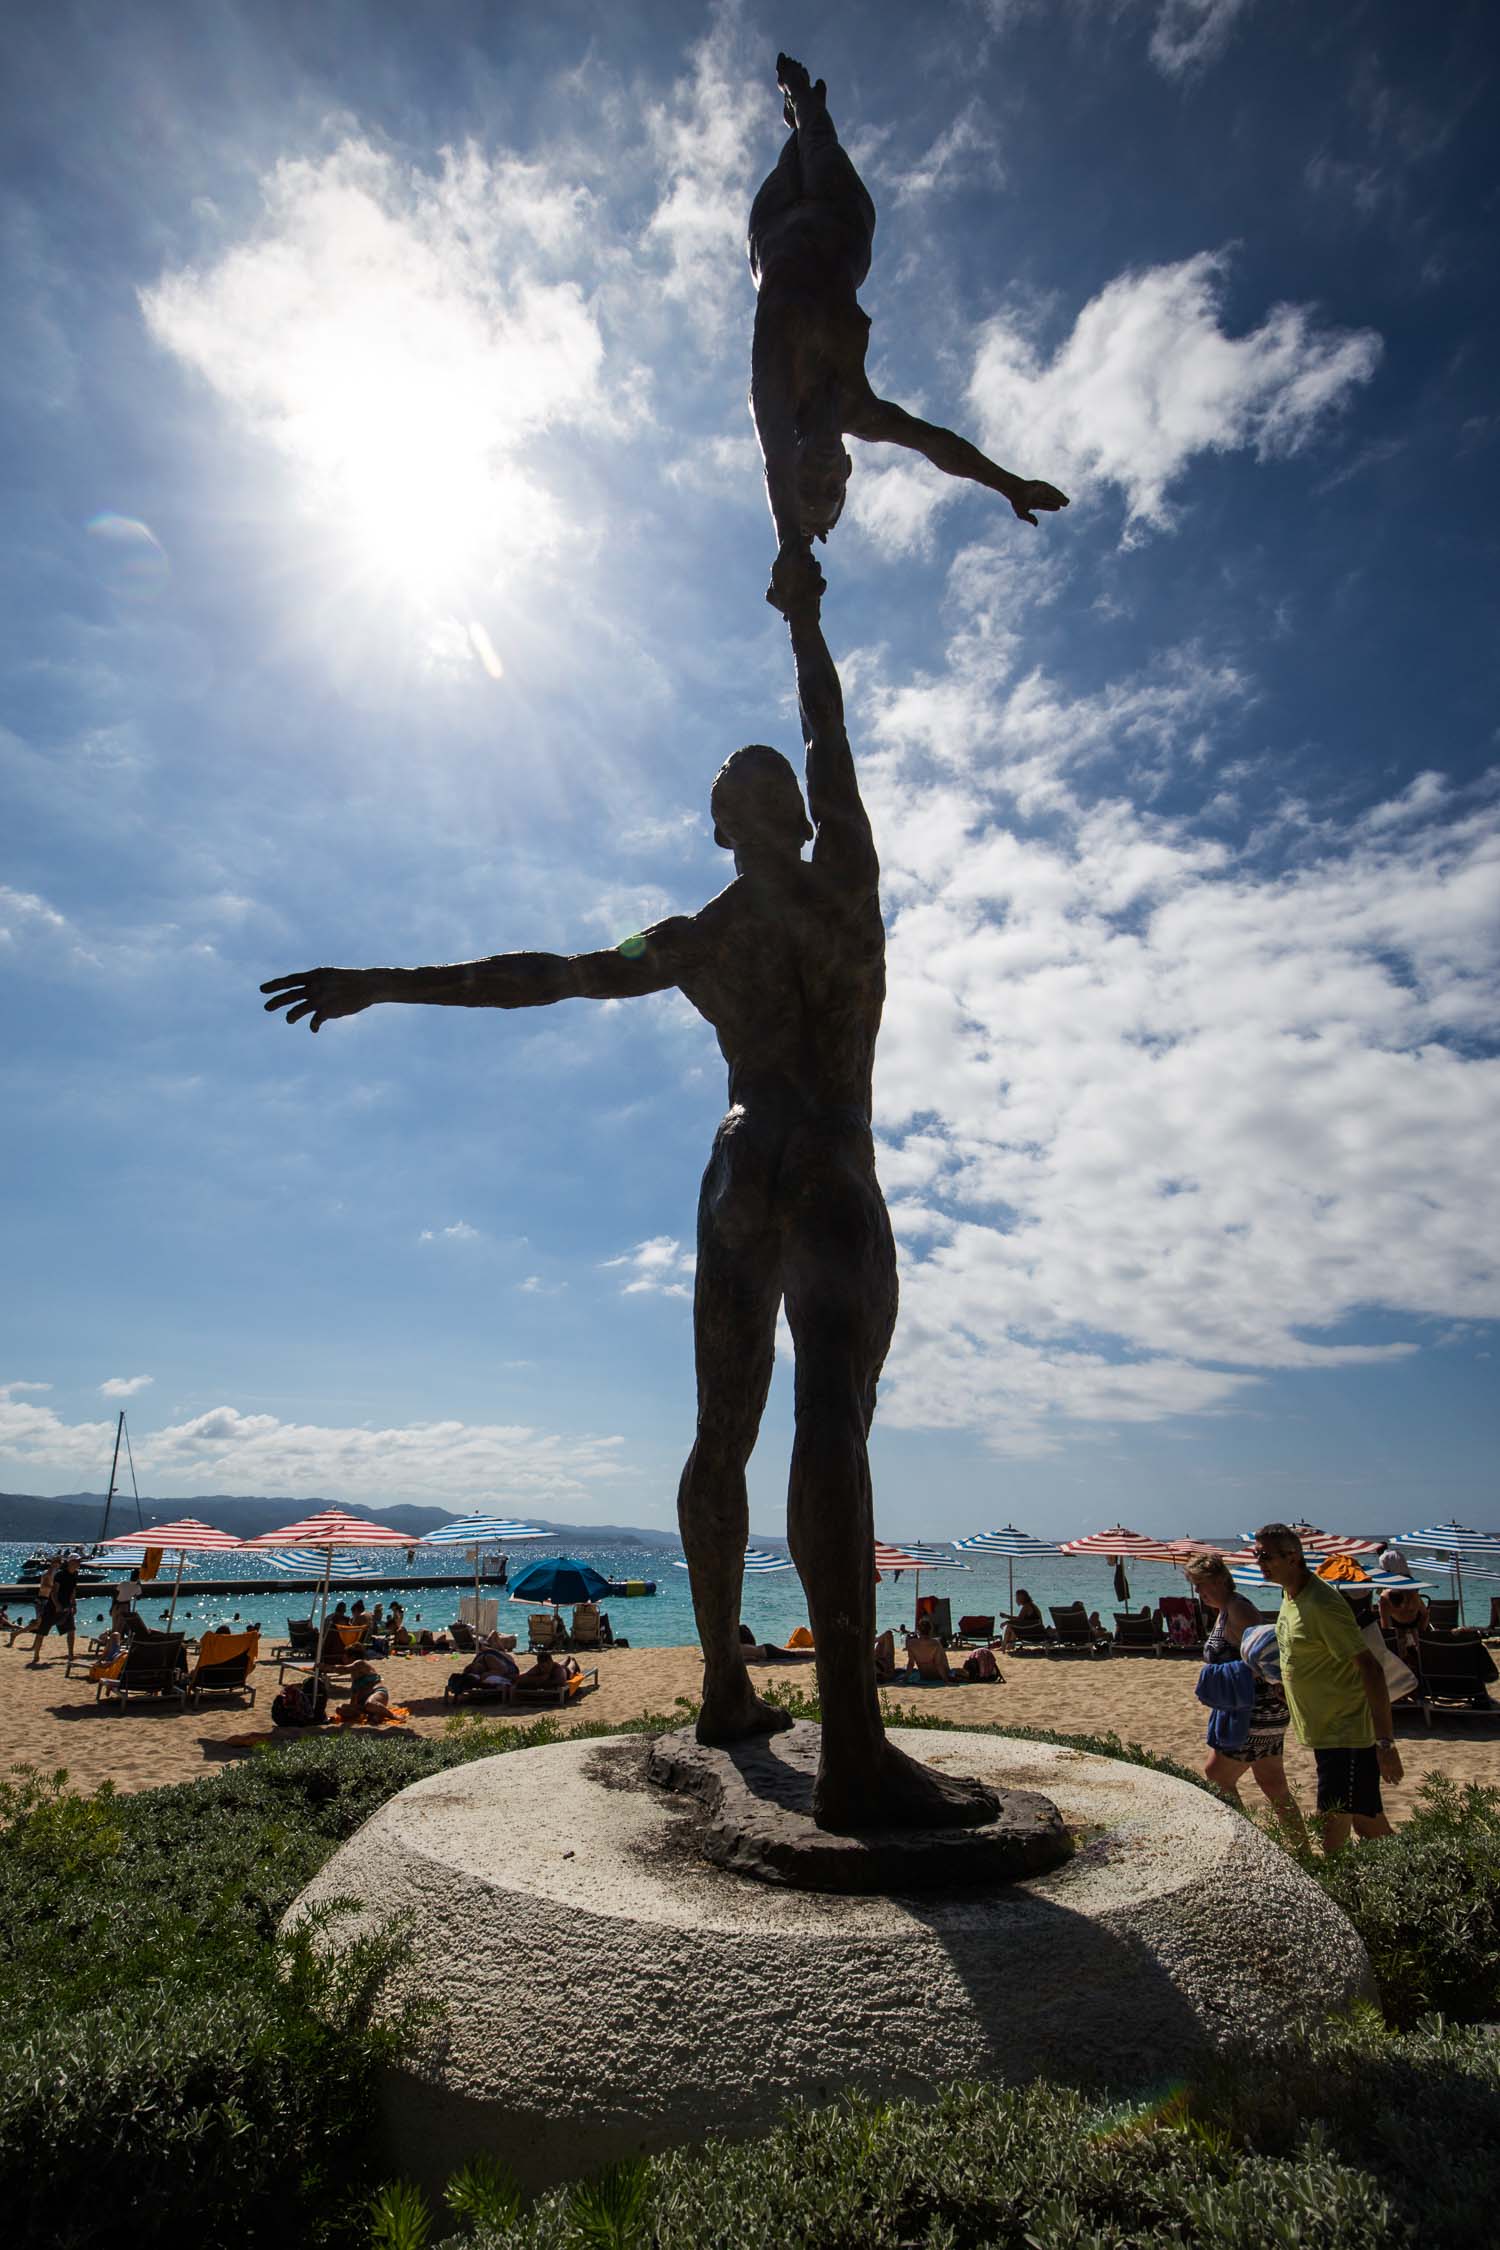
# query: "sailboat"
{"type": "Point", "coordinates": [31, 1570]}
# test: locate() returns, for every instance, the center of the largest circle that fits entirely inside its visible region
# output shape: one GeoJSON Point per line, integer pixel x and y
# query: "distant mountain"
{"type": "Point", "coordinates": [27, 1517]}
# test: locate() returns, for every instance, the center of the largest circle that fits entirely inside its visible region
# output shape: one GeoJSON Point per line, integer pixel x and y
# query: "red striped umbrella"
{"type": "Point", "coordinates": [1119, 1541]}
{"type": "Point", "coordinates": [1316, 1542]}
{"type": "Point", "coordinates": [329, 1529]}
{"type": "Point", "coordinates": [895, 1555]}
{"type": "Point", "coordinates": [185, 1537]}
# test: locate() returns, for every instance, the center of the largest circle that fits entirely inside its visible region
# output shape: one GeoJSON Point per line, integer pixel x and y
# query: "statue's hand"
{"type": "Point", "coordinates": [322, 994]}
{"type": "Point", "coordinates": [1031, 494]}
{"type": "Point", "coordinates": [797, 583]}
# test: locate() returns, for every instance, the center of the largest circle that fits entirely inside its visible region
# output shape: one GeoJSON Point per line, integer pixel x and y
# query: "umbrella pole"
{"type": "Point", "coordinates": [1458, 1581]}
{"type": "Point", "coordinates": [1010, 1572]}
{"type": "Point", "coordinates": [176, 1589]}
{"type": "Point", "coordinates": [476, 1592]}
{"type": "Point", "coordinates": [322, 1622]}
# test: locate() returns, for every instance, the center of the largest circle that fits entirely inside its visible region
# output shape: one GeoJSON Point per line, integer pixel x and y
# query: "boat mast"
{"type": "Point", "coordinates": [113, 1467]}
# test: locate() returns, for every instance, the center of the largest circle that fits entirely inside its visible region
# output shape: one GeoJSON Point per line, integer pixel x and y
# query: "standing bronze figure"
{"type": "Point", "coordinates": [788, 965]}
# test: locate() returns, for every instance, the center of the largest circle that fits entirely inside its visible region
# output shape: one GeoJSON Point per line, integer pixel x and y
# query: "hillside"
{"type": "Point", "coordinates": [76, 1516]}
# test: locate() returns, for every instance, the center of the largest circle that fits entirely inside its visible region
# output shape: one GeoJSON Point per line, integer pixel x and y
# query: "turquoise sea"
{"type": "Point", "coordinates": [771, 1607]}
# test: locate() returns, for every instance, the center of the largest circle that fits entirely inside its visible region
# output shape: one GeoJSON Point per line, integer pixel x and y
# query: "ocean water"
{"type": "Point", "coordinates": [771, 1605]}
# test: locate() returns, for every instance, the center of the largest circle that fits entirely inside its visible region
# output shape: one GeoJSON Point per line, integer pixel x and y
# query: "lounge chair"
{"type": "Point", "coordinates": [544, 1630]}
{"type": "Point", "coordinates": [566, 1691]}
{"type": "Point", "coordinates": [1037, 1636]}
{"type": "Point", "coordinates": [301, 1643]}
{"type": "Point", "coordinates": [1136, 1635]}
{"type": "Point", "coordinates": [935, 1611]}
{"type": "Point", "coordinates": [1181, 1624]}
{"type": "Point", "coordinates": [974, 1632]}
{"type": "Point", "coordinates": [584, 1631]}
{"type": "Point", "coordinates": [1454, 1675]}
{"type": "Point", "coordinates": [154, 1666]}
{"type": "Point", "coordinates": [1493, 1626]}
{"type": "Point", "coordinates": [225, 1663]}
{"type": "Point", "coordinates": [463, 1636]}
{"type": "Point", "coordinates": [1071, 1629]}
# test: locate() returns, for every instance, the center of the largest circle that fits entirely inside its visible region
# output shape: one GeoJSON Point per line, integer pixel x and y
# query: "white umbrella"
{"type": "Point", "coordinates": [915, 1555]}
{"type": "Point", "coordinates": [758, 1561]}
{"type": "Point", "coordinates": [477, 1531]}
{"type": "Point", "coordinates": [1460, 1543]}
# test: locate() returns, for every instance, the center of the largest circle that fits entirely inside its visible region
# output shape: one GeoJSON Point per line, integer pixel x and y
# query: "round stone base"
{"type": "Point", "coordinates": [757, 1802]}
{"type": "Point", "coordinates": [607, 1993]}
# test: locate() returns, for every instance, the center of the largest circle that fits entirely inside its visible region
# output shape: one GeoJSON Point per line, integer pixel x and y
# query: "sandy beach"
{"type": "Point", "coordinates": [48, 1720]}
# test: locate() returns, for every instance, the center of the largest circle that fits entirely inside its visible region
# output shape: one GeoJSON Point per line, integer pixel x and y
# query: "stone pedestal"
{"type": "Point", "coordinates": [606, 1992]}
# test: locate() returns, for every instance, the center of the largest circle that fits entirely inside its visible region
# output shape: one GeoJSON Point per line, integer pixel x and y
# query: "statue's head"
{"type": "Point", "coordinates": [756, 800]}
{"type": "Point", "coordinates": [823, 469]}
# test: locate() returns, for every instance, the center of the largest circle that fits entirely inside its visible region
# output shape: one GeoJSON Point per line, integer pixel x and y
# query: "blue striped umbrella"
{"type": "Point", "coordinates": [1013, 1544]}
{"type": "Point", "coordinates": [477, 1531]}
{"type": "Point", "coordinates": [301, 1562]}
{"type": "Point", "coordinates": [1251, 1579]}
{"type": "Point", "coordinates": [758, 1560]}
{"type": "Point", "coordinates": [1460, 1544]}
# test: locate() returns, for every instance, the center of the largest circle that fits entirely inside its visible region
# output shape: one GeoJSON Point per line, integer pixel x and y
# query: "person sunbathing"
{"type": "Point", "coordinates": [491, 1671]}
{"type": "Point", "coordinates": [926, 1655]}
{"type": "Point", "coordinates": [369, 1697]}
{"type": "Point", "coordinates": [1025, 1618]}
{"type": "Point", "coordinates": [545, 1673]}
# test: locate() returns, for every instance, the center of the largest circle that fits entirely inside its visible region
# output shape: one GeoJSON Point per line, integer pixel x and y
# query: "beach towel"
{"type": "Point", "coordinates": [1229, 1692]}
{"type": "Point", "coordinates": [396, 1716]}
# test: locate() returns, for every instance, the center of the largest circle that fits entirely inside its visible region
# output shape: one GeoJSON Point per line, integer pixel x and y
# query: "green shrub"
{"type": "Point", "coordinates": [1427, 1903]}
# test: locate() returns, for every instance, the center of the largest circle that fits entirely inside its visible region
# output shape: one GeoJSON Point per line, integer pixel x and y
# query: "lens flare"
{"type": "Point", "coordinates": [132, 560]}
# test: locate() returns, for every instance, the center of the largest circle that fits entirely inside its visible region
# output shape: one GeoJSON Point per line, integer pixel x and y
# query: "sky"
{"type": "Point", "coordinates": [383, 584]}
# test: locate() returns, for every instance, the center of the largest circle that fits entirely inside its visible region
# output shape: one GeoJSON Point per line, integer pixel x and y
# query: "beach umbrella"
{"type": "Point", "coordinates": [1016, 1546]}
{"type": "Point", "coordinates": [185, 1537]}
{"type": "Point", "coordinates": [305, 1563]}
{"type": "Point", "coordinates": [478, 1531]}
{"type": "Point", "coordinates": [1460, 1543]}
{"type": "Point", "coordinates": [561, 1578]}
{"type": "Point", "coordinates": [1321, 1543]}
{"type": "Point", "coordinates": [1118, 1541]}
{"type": "Point", "coordinates": [758, 1560]}
{"type": "Point", "coordinates": [1251, 1579]}
{"type": "Point", "coordinates": [330, 1531]}
{"type": "Point", "coordinates": [915, 1555]}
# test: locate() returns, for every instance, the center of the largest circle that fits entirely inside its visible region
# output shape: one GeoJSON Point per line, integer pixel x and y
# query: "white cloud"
{"type": "Point", "coordinates": [125, 1386]}
{"type": "Point", "coordinates": [1190, 34]}
{"type": "Point", "coordinates": [1149, 378]}
{"type": "Point", "coordinates": [964, 150]}
{"type": "Point", "coordinates": [705, 142]}
{"type": "Point", "coordinates": [397, 337]}
{"type": "Point", "coordinates": [225, 1450]}
{"type": "Point", "coordinates": [460, 1231]}
{"type": "Point", "coordinates": [1155, 1117]}
{"type": "Point", "coordinates": [658, 1268]}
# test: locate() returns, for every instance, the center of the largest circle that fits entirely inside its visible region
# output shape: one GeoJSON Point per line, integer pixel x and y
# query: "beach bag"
{"type": "Point", "coordinates": [293, 1707]}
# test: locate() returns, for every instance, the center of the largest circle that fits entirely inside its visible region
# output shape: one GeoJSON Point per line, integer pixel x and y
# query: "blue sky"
{"type": "Point", "coordinates": [384, 584]}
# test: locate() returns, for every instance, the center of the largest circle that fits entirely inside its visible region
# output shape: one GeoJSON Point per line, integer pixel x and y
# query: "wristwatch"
{"type": "Point", "coordinates": [1385, 1742]}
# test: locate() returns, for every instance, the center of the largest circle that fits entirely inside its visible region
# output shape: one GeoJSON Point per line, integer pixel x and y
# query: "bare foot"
{"type": "Point", "coordinates": [796, 86]}
{"type": "Point", "coordinates": [739, 1718]}
{"type": "Point", "coordinates": [899, 1792]}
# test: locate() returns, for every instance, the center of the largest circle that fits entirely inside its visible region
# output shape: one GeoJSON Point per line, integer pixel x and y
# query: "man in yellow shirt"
{"type": "Point", "coordinates": [1335, 1689]}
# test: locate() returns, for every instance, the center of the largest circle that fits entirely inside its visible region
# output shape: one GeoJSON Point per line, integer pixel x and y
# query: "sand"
{"type": "Point", "coordinates": [48, 1720]}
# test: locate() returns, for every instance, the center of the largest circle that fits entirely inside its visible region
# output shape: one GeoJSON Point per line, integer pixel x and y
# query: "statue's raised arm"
{"type": "Point", "coordinates": [811, 229]}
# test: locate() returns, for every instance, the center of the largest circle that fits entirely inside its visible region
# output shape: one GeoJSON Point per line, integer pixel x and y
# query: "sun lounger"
{"type": "Point", "coordinates": [1493, 1626]}
{"type": "Point", "coordinates": [566, 1691]}
{"type": "Point", "coordinates": [463, 1636]}
{"type": "Point", "coordinates": [1181, 1624]}
{"type": "Point", "coordinates": [974, 1632]}
{"type": "Point", "coordinates": [1037, 1638]}
{"type": "Point", "coordinates": [584, 1632]}
{"type": "Point", "coordinates": [1454, 1675]}
{"type": "Point", "coordinates": [154, 1666]}
{"type": "Point", "coordinates": [544, 1631]}
{"type": "Point", "coordinates": [1136, 1635]}
{"type": "Point", "coordinates": [1071, 1629]}
{"type": "Point", "coordinates": [225, 1663]}
{"type": "Point", "coordinates": [1442, 1617]}
{"type": "Point", "coordinates": [935, 1611]}
{"type": "Point", "coordinates": [301, 1643]}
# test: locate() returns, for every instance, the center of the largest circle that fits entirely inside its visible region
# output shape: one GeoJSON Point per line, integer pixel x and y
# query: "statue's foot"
{"type": "Point", "coordinates": [899, 1792]}
{"type": "Point", "coordinates": [739, 1718]}
{"type": "Point", "coordinates": [796, 87]}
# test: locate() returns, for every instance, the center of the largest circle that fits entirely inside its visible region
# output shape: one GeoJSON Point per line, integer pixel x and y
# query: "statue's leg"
{"type": "Point", "coordinates": [841, 1304]}
{"type": "Point", "coordinates": [735, 1298]}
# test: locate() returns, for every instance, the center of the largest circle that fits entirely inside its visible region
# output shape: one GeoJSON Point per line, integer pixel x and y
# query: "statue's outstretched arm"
{"type": "Point", "coordinates": [880, 420]}
{"type": "Point", "coordinates": [833, 798]}
{"type": "Point", "coordinates": [651, 962]}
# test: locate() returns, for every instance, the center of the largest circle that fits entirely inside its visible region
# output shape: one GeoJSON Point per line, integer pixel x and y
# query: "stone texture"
{"type": "Point", "coordinates": [606, 1992]}
{"type": "Point", "coordinates": [757, 1796]}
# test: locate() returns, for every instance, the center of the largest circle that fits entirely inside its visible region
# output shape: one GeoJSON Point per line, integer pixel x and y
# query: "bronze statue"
{"type": "Point", "coordinates": [788, 965]}
{"type": "Point", "coordinates": [811, 227]}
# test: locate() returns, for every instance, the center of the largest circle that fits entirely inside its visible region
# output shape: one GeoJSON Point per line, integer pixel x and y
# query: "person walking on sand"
{"type": "Point", "coordinates": [58, 1608]}
{"type": "Point", "coordinates": [1335, 1690]}
{"type": "Point", "coordinates": [1234, 1615]}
